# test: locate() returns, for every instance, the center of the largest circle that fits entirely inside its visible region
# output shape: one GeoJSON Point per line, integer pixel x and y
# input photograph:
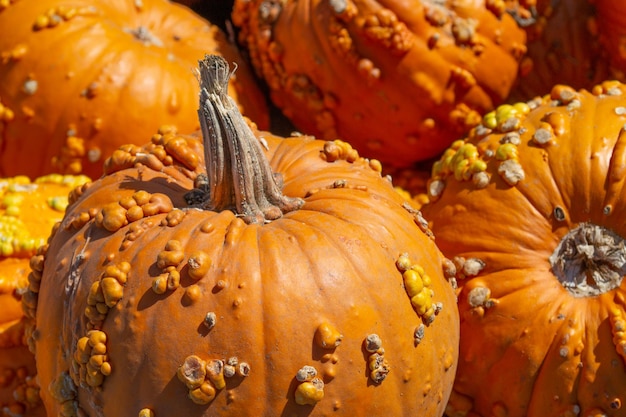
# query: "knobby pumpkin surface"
{"type": "Point", "coordinates": [399, 80]}
{"type": "Point", "coordinates": [563, 48]}
{"type": "Point", "coordinates": [530, 207]}
{"type": "Point", "coordinates": [611, 23]}
{"type": "Point", "coordinates": [28, 211]}
{"type": "Point", "coordinates": [79, 77]}
{"type": "Point", "coordinates": [238, 292]}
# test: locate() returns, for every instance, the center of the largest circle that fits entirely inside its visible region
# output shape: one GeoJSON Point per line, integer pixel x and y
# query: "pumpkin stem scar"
{"type": "Point", "coordinates": [590, 260]}
{"type": "Point", "coordinates": [238, 175]}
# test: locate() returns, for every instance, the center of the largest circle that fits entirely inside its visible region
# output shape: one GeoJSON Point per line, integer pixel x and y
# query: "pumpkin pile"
{"type": "Point", "coordinates": [28, 212]}
{"type": "Point", "coordinates": [364, 208]}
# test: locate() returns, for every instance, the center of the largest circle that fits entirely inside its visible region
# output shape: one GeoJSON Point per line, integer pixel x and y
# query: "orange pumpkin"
{"type": "Point", "coordinates": [398, 80]}
{"type": "Point", "coordinates": [28, 211]}
{"type": "Point", "coordinates": [78, 78]}
{"type": "Point", "coordinates": [530, 206]}
{"type": "Point", "coordinates": [215, 294]}
{"type": "Point", "coordinates": [563, 47]}
{"type": "Point", "coordinates": [611, 27]}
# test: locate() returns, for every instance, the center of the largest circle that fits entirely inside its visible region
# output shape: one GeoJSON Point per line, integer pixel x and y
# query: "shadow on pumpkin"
{"type": "Point", "coordinates": [157, 185]}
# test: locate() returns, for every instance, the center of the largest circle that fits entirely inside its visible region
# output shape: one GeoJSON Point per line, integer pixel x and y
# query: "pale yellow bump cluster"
{"type": "Point", "coordinates": [90, 363]}
{"type": "Point", "coordinates": [462, 160]}
{"type": "Point", "coordinates": [71, 181]}
{"type": "Point", "coordinates": [145, 412]}
{"type": "Point", "coordinates": [52, 17]}
{"type": "Point", "coordinates": [417, 284]}
{"type": "Point", "coordinates": [204, 379]}
{"type": "Point", "coordinates": [376, 362]}
{"type": "Point", "coordinates": [168, 260]}
{"type": "Point", "coordinates": [115, 215]}
{"type": "Point", "coordinates": [15, 240]}
{"type": "Point", "coordinates": [506, 117]}
{"type": "Point", "coordinates": [6, 114]}
{"type": "Point", "coordinates": [106, 292]}
{"type": "Point", "coordinates": [618, 328]}
{"type": "Point", "coordinates": [310, 389]}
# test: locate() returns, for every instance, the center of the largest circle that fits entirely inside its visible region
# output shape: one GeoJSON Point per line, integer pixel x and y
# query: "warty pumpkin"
{"type": "Point", "coordinates": [289, 278]}
{"type": "Point", "coordinates": [28, 212]}
{"type": "Point", "coordinates": [563, 48]}
{"type": "Point", "coordinates": [78, 78]}
{"type": "Point", "coordinates": [530, 207]}
{"type": "Point", "coordinates": [610, 21]}
{"type": "Point", "coordinates": [398, 80]}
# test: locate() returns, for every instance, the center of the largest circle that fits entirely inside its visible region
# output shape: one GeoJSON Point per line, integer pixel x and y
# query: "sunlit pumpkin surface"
{"type": "Point", "coordinates": [530, 207]}
{"type": "Point", "coordinates": [82, 77]}
{"type": "Point", "coordinates": [399, 80]}
{"type": "Point", "coordinates": [318, 291]}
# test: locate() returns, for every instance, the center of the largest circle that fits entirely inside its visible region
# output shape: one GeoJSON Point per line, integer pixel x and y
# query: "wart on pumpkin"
{"type": "Point", "coordinates": [90, 363]}
{"type": "Point", "coordinates": [310, 391]}
{"type": "Point", "coordinates": [146, 412]}
{"type": "Point", "coordinates": [418, 287]}
{"type": "Point", "coordinates": [327, 336]}
{"type": "Point", "coordinates": [199, 263]}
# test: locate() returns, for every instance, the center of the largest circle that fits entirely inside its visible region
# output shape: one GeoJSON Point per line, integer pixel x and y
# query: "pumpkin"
{"type": "Point", "coordinates": [530, 207]}
{"type": "Point", "coordinates": [411, 182]}
{"type": "Point", "coordinates": [563, 48]}
{"type": "Point", "coordinates": [215, 293]}
{"type": "Point", "coordinates": [398, 80]}
{"type": "Point", "coordinates": [28, 211]}
{"type": "Point", "coordinates": [610, 22]}
{"type": "Point", "coordinates": [79, 76]}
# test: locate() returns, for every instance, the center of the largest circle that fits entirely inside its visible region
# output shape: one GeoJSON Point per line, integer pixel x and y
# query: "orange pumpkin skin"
{"type": "Point", "coordinates": [563, 48]}
{"type": "Point", "coordinates": [65, 109]}
{"type": "Point", "coordinates": [611, 23]}
{"type": "Point", "coordinates": [28, 211]}
{"type": "Point", "coordinates": [305, 289]}
{"type": "Point", "coordinates": [398, 80]}
{"type": "Point", "coordinates": [537, 341]}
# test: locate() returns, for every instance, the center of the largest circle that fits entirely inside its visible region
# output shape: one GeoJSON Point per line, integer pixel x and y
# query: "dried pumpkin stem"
{"type": "Point", "coordinates": [590, 260]}
{"type": "Point", "coordinates": [239, 176]}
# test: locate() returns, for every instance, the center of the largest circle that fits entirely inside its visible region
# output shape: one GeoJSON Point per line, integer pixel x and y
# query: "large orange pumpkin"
{"type": "Point", "coordinates": [530, 207]}
{"type": "Point", "coordinates": [82, 77]}
{"type": "Point", "coordinates": [28, 211]}
{"type": "Point", "coordinates": [165, 292]}
{"type": "Point", "coordinates": [399, 80]}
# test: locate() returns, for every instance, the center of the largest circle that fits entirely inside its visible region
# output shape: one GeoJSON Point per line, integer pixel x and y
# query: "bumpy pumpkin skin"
{"type": "Point", "coordinates": [273, 288]}
{"type": "Point", "coordinates": [398, 80]}
{"type": "Point", "coordinates": [78, 78]}
{"type": "Point", "coordinates": [502, 200]}
{"type": "Point", "coordinates": [611, 24]}
{"type": "Point", "coordinates": [28, 212]}
{"type": "Point", "coordinates": [563, 48]}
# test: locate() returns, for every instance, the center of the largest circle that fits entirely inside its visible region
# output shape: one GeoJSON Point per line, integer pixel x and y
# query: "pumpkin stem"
{"type": "Point", "coordinates": [238, 174]}
{"type": "Point", "coordinates": [590, 260]}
